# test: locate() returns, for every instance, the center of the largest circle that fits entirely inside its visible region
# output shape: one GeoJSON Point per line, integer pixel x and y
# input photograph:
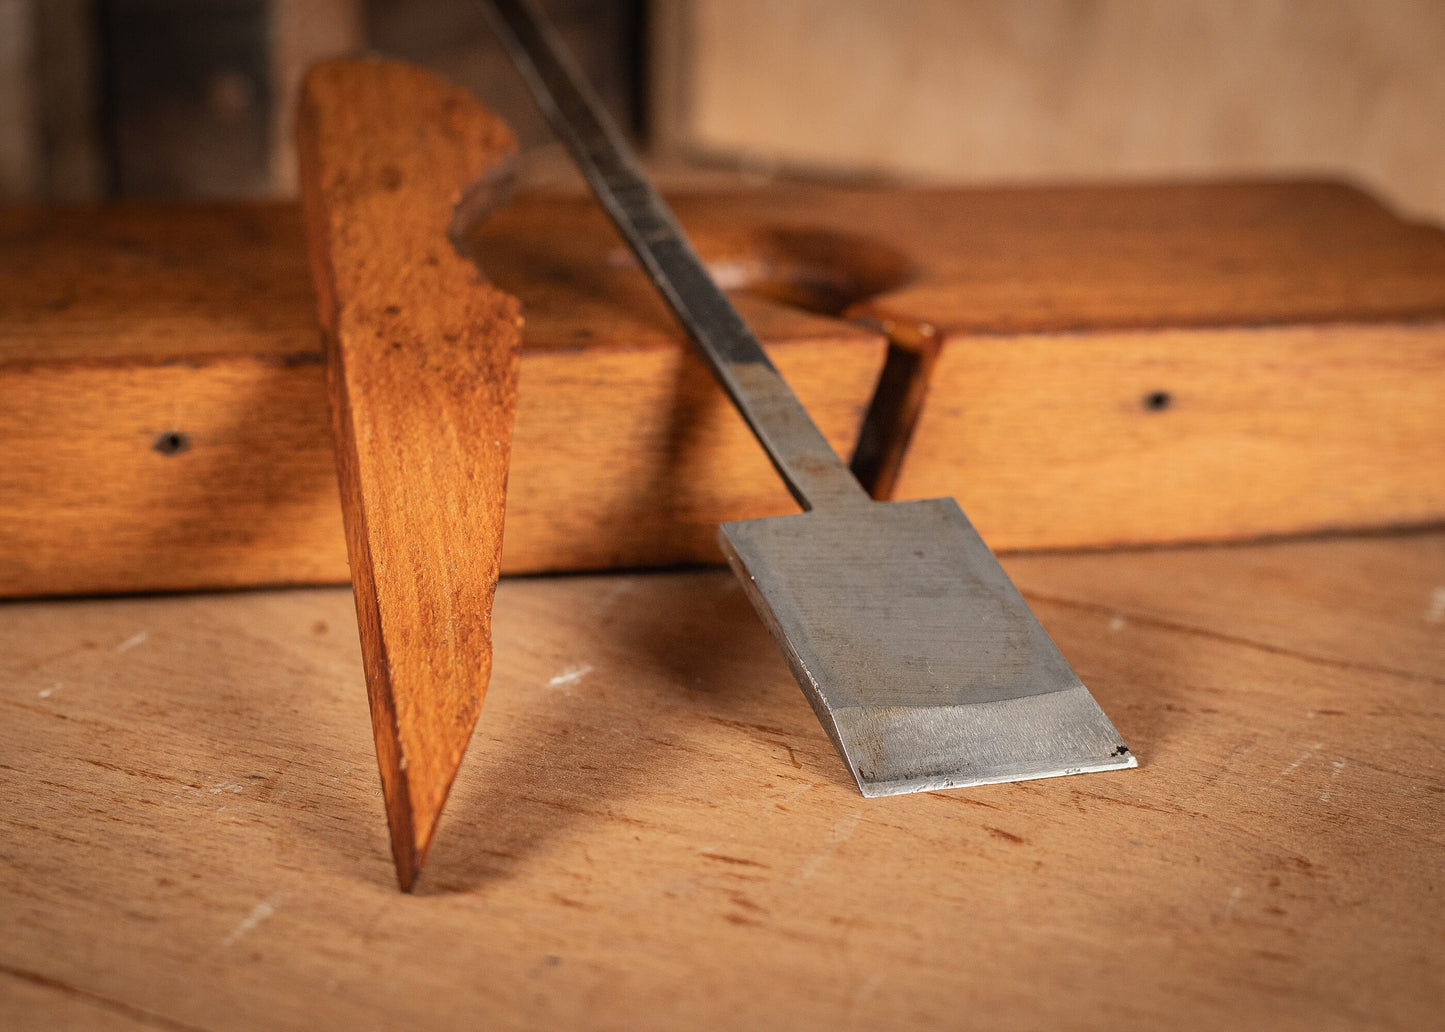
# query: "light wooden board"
{"type": "Point", "coordinates": [651, 830]}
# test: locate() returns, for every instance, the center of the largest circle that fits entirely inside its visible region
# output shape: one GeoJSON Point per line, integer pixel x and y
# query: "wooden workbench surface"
{"type": "Point", "coordinates": [651, 830]}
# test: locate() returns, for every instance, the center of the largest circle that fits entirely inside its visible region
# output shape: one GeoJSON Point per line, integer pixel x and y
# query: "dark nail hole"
{"type": "Point", "coordinates": [1158, 401]}
{"type": "Point", "coordinates": [172, 442]}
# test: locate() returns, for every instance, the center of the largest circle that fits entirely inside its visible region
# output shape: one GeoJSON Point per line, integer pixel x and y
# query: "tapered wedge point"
{"type": "Point", "coordinates": [416, 781]}
{"type": "Point", "coordinates": [421, 358]}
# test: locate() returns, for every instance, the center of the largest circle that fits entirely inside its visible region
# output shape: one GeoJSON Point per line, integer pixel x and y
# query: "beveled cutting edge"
{"type": "Point", "coordinates": [922, 661]}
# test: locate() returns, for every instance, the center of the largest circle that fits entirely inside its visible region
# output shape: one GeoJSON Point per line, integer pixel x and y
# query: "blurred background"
{"type": "Point", "coordinates": [103, 99]}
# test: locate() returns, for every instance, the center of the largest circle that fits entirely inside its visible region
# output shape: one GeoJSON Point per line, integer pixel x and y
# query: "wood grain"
{"type": "Point", "coordinates": [1296, 328]}
{"type": "Point", "coordinates": [421, 363]}
{"type": "Point", "coordinates": [654, 833]}
{"type": "Point", "coordinates": [1246, 424]}
{"type": "Point", "coordinates": [200, 321]}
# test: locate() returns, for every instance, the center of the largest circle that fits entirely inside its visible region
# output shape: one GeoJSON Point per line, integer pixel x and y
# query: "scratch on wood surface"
{"type": "Point", "coordinates": [1241, 750]}
{"type": "Point", "coordinates": [741, 861]}
{"type": "Point", "coordinates": [1224, 638]}
{"type": "Point", "coordinates": [1234, 896]}
{"type": "Point", "coordinates": [1435, 612]}
{"type": "Point", "coordinates": [570, 676]}
{"type": "Point", "coordinates": [139, 772]}
{"type": "Point", "coordinates": [128, 1010]}
{"type": "Point", "coordinates": [1337, 767]}
{"type": "Point", "coordinates": [866, 990]}
{"type": "Point", "coordinates": [624, 585]}
{"type": "Point", "coordinates": [840, 833]}
{"type": "Point", "coordinates": [46, 693]}
{"type": "Point", "coordinates": [133, 641]}
{"type": "Point", "coordinates": [260, 912]}
{"type": "Point", "coordinates": [944, 798]}
{"type": "Point", "coordinates": [1296, 764]}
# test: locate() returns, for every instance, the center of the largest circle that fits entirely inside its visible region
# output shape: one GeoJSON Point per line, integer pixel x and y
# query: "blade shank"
{"type": "Point", "coordinates": [804, 459]}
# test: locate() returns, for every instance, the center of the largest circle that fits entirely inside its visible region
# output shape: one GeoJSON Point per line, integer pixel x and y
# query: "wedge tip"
{"type": "Point", "coordinates": [412, 816]}
{"type": "Point", "coordinates": [408, 865]}
{"type": "Point", "coordinates": [410, 842]}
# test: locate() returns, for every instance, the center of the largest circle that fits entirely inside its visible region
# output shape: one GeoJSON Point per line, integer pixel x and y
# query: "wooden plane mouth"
{"type": "Point", "coordinates": [820, 270]}
{"type": "Point", "coordinates": [531, 244]}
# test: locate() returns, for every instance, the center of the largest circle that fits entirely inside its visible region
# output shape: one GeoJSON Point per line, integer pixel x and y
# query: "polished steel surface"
{"type": "Point", "coordinates": [919, 656]}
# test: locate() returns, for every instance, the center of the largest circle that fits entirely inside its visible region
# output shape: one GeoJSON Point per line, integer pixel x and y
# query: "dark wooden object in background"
{"type": "Point", "coordinates": [608, 38]}
{"type": "Point", "coordinates": [180, 99]}
{"type": "Point", "coordinates": [187, 97]}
